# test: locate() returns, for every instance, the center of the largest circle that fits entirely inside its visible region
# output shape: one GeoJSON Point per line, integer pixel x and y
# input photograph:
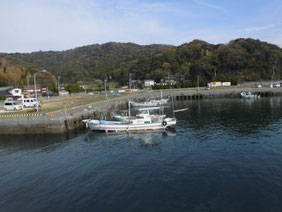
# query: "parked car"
{"type": "Point", "coordinates": [12, 105]}
{"type": "Point", "coordinates": [276, 85]}
{"type": "Point", "coordinates": [258, 85]}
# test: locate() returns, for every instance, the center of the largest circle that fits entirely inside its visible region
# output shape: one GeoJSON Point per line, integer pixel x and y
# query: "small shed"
{"type": "Point", "coordinates": [149, 83]}
{"type": "Point", "coordinates": [215, 84]}
{"type": "Point", "coordinates": [226, 84]}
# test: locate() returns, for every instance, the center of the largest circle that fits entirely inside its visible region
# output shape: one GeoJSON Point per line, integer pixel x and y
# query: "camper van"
{"type": "Point", "coordinates": [30, 102]}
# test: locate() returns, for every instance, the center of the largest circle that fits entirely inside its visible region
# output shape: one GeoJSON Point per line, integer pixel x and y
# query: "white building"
{"type": "Point", "coordinates": [149, 83]}
{"type": "Point", "coordinates": [16, 92]}
{"type": "Point", "coordinates": [63, 93]}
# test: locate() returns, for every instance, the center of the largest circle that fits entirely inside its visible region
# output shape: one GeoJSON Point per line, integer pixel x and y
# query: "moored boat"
{"type": "Point", "coordinates": [138, 123]}
{"type": "Point", "coordinates": [144, 104]}
{"type": "Point", "coordinates": [248, 95]}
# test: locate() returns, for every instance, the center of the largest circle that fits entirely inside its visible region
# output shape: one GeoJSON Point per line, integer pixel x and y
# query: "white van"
{"type": "Point", "coordinates": [29, 102]}
{"type": "Point", "coordinates": [12, 105]}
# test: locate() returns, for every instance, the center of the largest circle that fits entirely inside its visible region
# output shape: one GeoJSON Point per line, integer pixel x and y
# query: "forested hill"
{"type": "Point", "coordinates": [89, 62]}
{"type": "Point", "coordinates": [239, 60]}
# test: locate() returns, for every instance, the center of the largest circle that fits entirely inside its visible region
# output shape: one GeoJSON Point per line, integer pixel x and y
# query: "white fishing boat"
{"type": "Point", "coordinates": [159, 101]}
{"type": "Point", "coordinates": [248, 95]}
{"type": "Point", "coordinates": [152, 102]}
{"type": "Point", "coordinates": [123, 116]}
{"type": "Point", "coordinates": [144, 112]}
{"type": "Point", "coordinates": [144, 104]}
{"type": "Point", "coordinates": [138, 123]}
{"type": "Point", "coordinates": [149, 108]}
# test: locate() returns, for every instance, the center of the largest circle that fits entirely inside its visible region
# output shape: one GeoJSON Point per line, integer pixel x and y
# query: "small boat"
{"type": "Point", "coordinates": [144, 112]}
{"type": "Point", "coordinates": [180, 110]}
{"type": "Point", "coordinates": [152, 102]}
{"type": "Point", "coordinates": [139, 123]}
{"type": "Point", "coordinates": [159, 101]}
{"type": "Point", "coordinates": [123, 116]}
{"type": "Point", "coordinates": [148, 108]}
{"type": "Point", "coordinates": [144, 104]}
{"type": "Point", "coordinates": [248, 95]}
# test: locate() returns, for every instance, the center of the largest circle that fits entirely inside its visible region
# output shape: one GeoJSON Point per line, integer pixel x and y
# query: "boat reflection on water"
{"type": "Point", "coordinates": [146, 138]}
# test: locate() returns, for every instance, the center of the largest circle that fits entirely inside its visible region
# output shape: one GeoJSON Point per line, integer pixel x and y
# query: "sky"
{"type": "Point", "coordinates": [43, 25]}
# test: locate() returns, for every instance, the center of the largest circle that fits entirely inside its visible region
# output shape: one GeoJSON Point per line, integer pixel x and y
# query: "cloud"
{"type": "Point", "coordinates": [259, 28]}
{"type": "Point", "coordinates": [32, 25]}
{"type": "Point", "coordinates": [208, 5]}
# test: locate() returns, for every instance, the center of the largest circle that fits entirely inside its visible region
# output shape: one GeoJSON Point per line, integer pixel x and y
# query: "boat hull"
{"type": "Point", "coordinates": [248, 95]}
{"type": "Point", "coordinates": [110, 126]}
{"type": "Point", "coordinates": [149, 104]}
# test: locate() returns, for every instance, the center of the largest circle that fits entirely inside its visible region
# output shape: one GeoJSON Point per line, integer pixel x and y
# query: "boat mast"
{"type": "Point", "coordinates": [128, 108]}
{"type": "Point", "coordinates": [173, 112]}
{"type": "Point", "coordinates": [172, 103]}
{"type": "Point", "coordinates": [161, 108]}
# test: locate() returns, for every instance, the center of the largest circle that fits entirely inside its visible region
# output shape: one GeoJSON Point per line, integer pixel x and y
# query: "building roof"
{"type": "Point", "coordinates": [5, 88]}
{"type": "Point", "coordinates": [31, 87]}
{"type": "Point", "coordinates": [5, 93]}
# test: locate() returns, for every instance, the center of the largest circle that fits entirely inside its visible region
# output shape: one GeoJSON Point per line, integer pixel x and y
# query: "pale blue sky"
{"type": "Point", "coordinates": [33, 25]}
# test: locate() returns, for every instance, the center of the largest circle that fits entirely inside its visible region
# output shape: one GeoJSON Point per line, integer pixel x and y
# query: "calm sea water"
{"type": "Point", "coordinates": [224, 155]}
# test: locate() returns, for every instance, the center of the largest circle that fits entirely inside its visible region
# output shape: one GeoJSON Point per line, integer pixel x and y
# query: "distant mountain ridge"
{"type": "Point", "coordinates": [239, 60]}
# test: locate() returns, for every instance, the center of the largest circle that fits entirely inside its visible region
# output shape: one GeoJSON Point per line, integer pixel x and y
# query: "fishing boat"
{"type": "Point", "coordinates": [248, 95]}
{"type": "Point", "coordinates": [151, 102]}
{"type": "Point", "coordinates": [159, 101]}
{"type": "Point", "coordinates": [143, 121]}
{"type": "Point", "coordinates": [144, 104]}
{"type": "Point", "coordinates": [144, 112]}
{"type": "Point", "coordinates": [138, 123]}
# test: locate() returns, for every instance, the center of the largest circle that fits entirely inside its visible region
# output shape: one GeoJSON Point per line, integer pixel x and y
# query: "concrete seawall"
{"type": "Point", "coordinates": [69, 119]}
{"type": "Point", "coordinates": [54, 122]}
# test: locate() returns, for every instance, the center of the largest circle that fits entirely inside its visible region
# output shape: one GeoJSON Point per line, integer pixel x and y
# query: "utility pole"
{"type": "Point", "coordinates": [273, 69]}
{"type": "Point", "coordinates": [27, 80]}
{"type": "Point", "coordinates": [129, 83]}
{"type": "Point", "coordinates": [273, 73]}
{"type": "Point", "coordinates": [198, 80]}
{"type": "Point", "coordinates": [105, 81]}
{"type": "Point", "coordinates": [59, 78]}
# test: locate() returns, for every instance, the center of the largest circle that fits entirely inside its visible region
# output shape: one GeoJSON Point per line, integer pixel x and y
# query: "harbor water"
{"type": "Point", "coordinates": [223, 155]}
